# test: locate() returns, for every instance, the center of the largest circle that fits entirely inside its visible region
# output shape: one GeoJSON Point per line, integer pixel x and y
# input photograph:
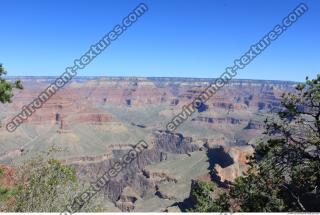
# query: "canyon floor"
{"type": "Point", "coordinates": [95, 119]}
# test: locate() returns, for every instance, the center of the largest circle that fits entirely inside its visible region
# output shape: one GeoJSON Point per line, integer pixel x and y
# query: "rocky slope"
{"type": "Point", "coordinates": [97, 120]}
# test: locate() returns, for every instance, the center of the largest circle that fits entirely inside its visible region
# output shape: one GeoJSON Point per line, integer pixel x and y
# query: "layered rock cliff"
{"type": "Point", "coordinates": [97, 120]}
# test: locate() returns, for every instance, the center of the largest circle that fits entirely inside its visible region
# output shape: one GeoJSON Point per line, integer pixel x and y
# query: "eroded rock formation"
{"type": "Point", "coordinates": [99, 119]}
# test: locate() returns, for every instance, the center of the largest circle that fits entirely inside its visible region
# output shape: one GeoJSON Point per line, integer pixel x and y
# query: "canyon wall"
{"type": "Point", "coordinates": [97, 120]}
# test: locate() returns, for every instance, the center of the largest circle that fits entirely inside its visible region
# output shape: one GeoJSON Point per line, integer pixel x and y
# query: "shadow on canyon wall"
{"type": "Point", "coordinates": [215, 156]}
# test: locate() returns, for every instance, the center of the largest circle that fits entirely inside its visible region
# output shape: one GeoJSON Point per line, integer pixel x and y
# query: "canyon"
{"type": "Point", "coordinates": [96, 120]}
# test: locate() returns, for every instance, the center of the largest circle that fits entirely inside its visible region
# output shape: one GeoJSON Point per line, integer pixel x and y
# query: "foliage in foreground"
{"type": "Point", "coordinates": [202, 194]}
{"type": "Point", "coordinates": [7, 87]}
{"type": "Point", "coordinates": [6, 94]}
{"type": "Point", "coordinates": [40, 185]}
{"type": "Point", "coordinates": [284, 173]}
{"type": "Point", "coordinates": [43, 185]}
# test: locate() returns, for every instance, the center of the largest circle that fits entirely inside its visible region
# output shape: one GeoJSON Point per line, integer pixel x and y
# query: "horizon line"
{"type": "Point", "coordinates": [144, 77]}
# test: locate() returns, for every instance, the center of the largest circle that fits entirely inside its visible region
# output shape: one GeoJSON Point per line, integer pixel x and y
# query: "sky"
{"type": "Point", "coordinates": [174, 38]}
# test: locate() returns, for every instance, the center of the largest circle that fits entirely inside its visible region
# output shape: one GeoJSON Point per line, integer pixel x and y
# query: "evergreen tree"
{"type": "Point", "coordinates": [284, 173]}
{"type": "Point", "coordinates": [7, 87]}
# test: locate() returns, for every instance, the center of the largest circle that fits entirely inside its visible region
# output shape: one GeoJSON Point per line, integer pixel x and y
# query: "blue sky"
{"type": "Point", "coordinates": [174, 38]}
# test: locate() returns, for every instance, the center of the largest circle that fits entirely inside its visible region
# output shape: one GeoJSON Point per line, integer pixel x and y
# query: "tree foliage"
{"type": "Point", "coordinates": [202, 194]}
{"type": "Point", "coordinates": [41, 184]}
{"type": "Point", "coordinates": [6, 94]}
{"type": "Point", "coordinates": [7, 87]}
{"type": "Point", "coordinates": [6, 192]}
{"type": "Point", "coordinates": [284, 173]}
{"type": "Point", "coordinates": [287, 166]}
{"type": "Point", "coordinates": [44, 184]}
{"type": "Point", "coordinates": [285, 169]}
